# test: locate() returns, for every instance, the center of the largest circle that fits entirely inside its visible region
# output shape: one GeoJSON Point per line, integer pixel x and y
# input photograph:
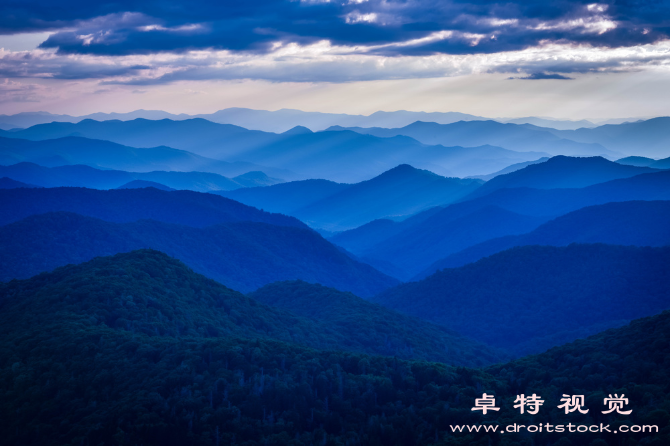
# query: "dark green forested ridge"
{"type": "Point", "coordinates": [367, 322]}
{"type": "Point", "coordinates": [530, 298]}
{"type": "Point", "coordinates": [242, 255]}
{"type": "Point", "coordinates": [147, 292]}
{"type": "Point", "coordinates": [67, 378]}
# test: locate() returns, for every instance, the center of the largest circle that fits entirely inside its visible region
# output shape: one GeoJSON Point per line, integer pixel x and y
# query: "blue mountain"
{"type": "Point", "coordinates": [9, 183]}
{"type": "Point", "coordinates": [127, 205]}
{"type": "Point", "coordinates": [521, 138]}
{"type": "Point", "coordinates": [341, 156]}
{"type": "Point", "coordinates": [139, 184]}
{"type": "Point", "coordinates": [242, 255]}
{"type": "Point", "coordinates": [531, 298]}
{"type": "Point", "coordinates": [562, 172]}
{"type": "Point", "coordinates": [649, 138]}
{"type": "Point", "coordinates": [638, 223]}
{"type": "Point", "coordinates": [108, 155]}
{"type": "Point", "coordinates": [286, 198]}
{"type": "Point", "coordinates": [399, 192]}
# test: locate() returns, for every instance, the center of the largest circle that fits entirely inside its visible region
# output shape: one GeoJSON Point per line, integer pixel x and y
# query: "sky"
{"type": "Point", "coordinates": [564, 59]}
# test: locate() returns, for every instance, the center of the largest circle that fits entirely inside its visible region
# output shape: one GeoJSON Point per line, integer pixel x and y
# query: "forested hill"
{"type": "Point", "coordinates": [530, 298]}
{"type": "Point", "coordinates": [366, 322]}
{"type": "Point", "coordinates": [77, 367]}
{"type": "Point", "coordinates": [124, 205]}
{"type": "Point", "coordinates": [229, 253]}
{"type": "Point", "coordinates": [149, 293]}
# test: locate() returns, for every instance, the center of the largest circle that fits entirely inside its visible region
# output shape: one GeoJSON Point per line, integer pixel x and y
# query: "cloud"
{"type": "Point", "coordinates": [146, 43]}
{"type": "Point", "coordinates": [401, 27]}
{"type": "Point", "coordinates": [11, 91]}
{"type": "Point", "coordinates": [541, 76]}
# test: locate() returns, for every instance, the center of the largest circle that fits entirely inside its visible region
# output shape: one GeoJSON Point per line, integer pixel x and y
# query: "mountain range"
{"type": "Point", "coordinates": [90, 177]}
{"type": "Point", "coordinates": [531, 298]}
{"type": "Point", "coordinates": [342, 156]}
{"type": "Point", "coordinates": [638, 223]}
{"type": "Point", "coordinates": [140, 337]}
{"type": "Point", "coordinates": [560, 172]}
{"type": "Point", "coordinates": [128, 205]}
{"type": "Point", "coordinates": [521, 138]}
{"type": "Point", "coordinates": [285, 119]}
{"type": "Point", "coordinates": [109, 155]}
{"type": "Point", "coordinates": [242, 255]}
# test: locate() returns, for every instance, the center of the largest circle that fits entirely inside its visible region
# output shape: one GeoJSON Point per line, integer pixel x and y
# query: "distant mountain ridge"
{"type": "Point", "coordinates": [280, 121]}
{"type": "Point", "coordinates": [398, 193]}
{"type": "Point", "coordinates": [242, 255]}
{"type": "Point", "coordinates": [109, 155]}
{"type": "Point", "coordinates": [452, 228]}
{"type": "Point", "coordinates": [531, 298]}
{"type": "Point", "coordinates": [341, 156]}
{"type": "Point", "coordinates": [520, 138]}
{"type": "Point", "coordinates": [637, 223]}
{"type": "Point", "coordinates": [128, 205]}
{"type": "Point", "coordinates": [86, 176]}
{"type": "Point", "coordinates": [561, 172]}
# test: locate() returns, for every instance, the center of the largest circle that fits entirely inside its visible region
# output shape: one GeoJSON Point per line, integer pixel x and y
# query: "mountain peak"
{"type": "Point", "coordinates": [297, 130]}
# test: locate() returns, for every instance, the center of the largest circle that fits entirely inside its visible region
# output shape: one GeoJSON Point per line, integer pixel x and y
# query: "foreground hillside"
{"type": "Point", "coordinates": [135, 349]}
{"type": "Point", "coordinates": [530, 298]}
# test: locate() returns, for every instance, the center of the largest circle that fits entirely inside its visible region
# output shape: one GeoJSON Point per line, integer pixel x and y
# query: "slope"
{"type": "Point", "coordinates": [637, 223]}
{"type": "Point", "coordinates": [99, 373]}
{"type": "Point", "coordinates": [416, 247]}
{"type": "Point", "coordinates": [9, 183]}
{"type": "Point", "coordinates": [399, 192]}
{"type": "Point", "coordinates": [125, 205]}
{"type": "Point", "coordinates": [285, 198]}
{"type": "Point", "coordinates": [530, 298]}
{"type": "Point", "coordinates": [562, 172]}
{"type": "Point", "coordinates": [365, 322]}
{"type": "Point", "coordinates": [242, 255]}
{"type": "Point", "coordinates": [110, 155]}
{"type": "Point", "coordinates": [649, 138]}
{"type": "Point", "coordinates": [522, 138]}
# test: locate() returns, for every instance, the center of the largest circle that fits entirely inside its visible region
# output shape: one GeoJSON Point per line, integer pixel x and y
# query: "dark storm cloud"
{"type": "Point", "coordinates": [544, 76]}
{"type": "Point", "coordinates": [124, 27]}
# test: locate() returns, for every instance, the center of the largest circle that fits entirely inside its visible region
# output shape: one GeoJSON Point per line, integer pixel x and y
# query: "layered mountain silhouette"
{"type": "Point", "coordinates": [86, 176]}
{"type": "Point", "coordinates": [562, 172]}
{"type": "Point", "coordinates": [509, 169]}
{"type": "Point", "coordinates": [342, 156]}
{"type": "Point", "coordinates": [530, 298]}
{"type": "Point", "coordinates": [109, 155]}
{"type": "Point", "coordinates": [555, 202]}
{"type": "Point", "coordinates": [198, 136]}
{"type": "Point", "coordinates": [150, 338]}
{"type": "Point", "coordinates": [523, 138]}
{"type": "Point", "coordinates": [140, 184]}
{"type": "Point", "coordinates": [8, 183]}
{"type": "Point", "coordinates": [445, 232]}
{"type": "Point", "coordinates": [399, 192]}
{"type": "Point", "coordinates": [151, 294]}
{"type": "Point", "coordinates": [241, 255]}
{"type": "Point", "coordinates": [649, 138]}
{"type": "Point", "coordinates": [127, 205]}
{"type": "Point", "coordinates": [286, 198]}
{"type": "Point", "coordinates": [280, 121]}
{"type": "Point", "coordinates": [639, 223]}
